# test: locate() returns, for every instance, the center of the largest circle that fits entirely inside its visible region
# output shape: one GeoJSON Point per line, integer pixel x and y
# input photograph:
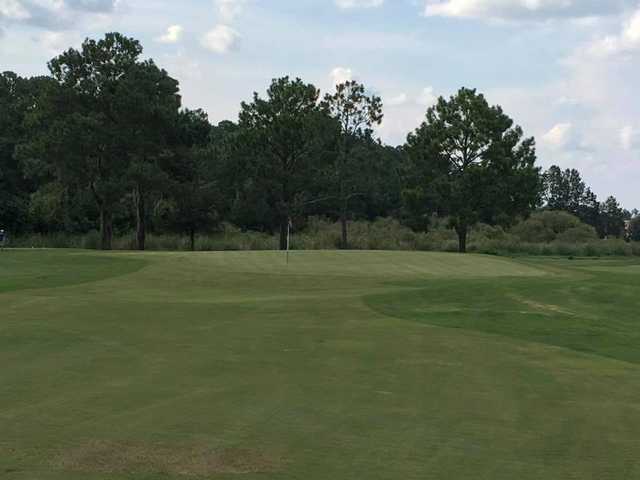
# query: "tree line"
{"type": "Point", "coordinates": [103, 142]}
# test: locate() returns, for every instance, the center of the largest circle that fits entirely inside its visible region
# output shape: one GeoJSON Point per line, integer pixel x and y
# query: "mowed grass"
{"type": "Point", "coordinates": [341, 365]}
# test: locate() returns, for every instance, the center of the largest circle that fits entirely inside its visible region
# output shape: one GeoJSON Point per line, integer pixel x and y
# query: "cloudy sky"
{"type": "Point", "coordinates": [563, 69]}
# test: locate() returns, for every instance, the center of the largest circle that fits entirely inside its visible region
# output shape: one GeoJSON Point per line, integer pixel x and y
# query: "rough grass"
{"type": "Point", "coordinates": [339, 365]}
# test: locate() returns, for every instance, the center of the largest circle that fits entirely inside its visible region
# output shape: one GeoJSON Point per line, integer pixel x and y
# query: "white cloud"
{"type": "Point", "coordinates": [347, 4]}
{"type": "Point", "coordinates": [626, 41]}
{"type": "Point", "coordinates": [427, 98]}
{"type": "Point", "coordinates": [55, 42]}
{"type": "Point", "coordinates": [398, 122]}
{"type": "Point", "coordinates": [172, 35]}
{"type": "Point", "coordinates": [559, 136]}
{"type": "Point", "coordinates": [182, 67]}
{"type": "Point", "coordinates": [55, 15]}
{"type": "Point", "coordinates": [629, 137]}
{"type": "Point", "coordinates": [340, 75]}
{"type": "Point", "coordinates": [221, 39]}
{"type": "Point", "coordinates": [13, 10]}
{"type": "Point", "coordinates": [396, 100]}
{"type": "Point", "coordinates": [522, 9]}
{"type": "Point", "coordinates": [90, 5]}
{"type": "Point", "coordinates": [593, 108]}
{"type": "Point", "coordinates": [229, 9]}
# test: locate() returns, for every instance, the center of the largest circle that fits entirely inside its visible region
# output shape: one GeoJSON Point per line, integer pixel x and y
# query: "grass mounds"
{"type": "Point", "coordinates": [596, 314]}
{"type": "Point", "coordinates": [26, 269]}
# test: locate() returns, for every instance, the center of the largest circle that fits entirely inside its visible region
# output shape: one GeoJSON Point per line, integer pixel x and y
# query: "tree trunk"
{"type": "Point", "coordinates": [192, 239]}
{"type": "Point", "coordinates": [344, 244]}
{"type": "Point", "coordinates": [462, 238]}
{"type": "Point", "coordinates": [106, 228]}
{"type": "Point", "coordinates": [106, 222]}
{"type": "Point", "coordinates": [141, 227]}
{"type": "Point", "coordinates": [284, 225]}
{"type": "Point", "coordinates": [344, 207]}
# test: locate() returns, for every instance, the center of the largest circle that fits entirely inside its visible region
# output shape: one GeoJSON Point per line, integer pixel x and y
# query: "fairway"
{"type": "Point", "coordinates": [339, 365]}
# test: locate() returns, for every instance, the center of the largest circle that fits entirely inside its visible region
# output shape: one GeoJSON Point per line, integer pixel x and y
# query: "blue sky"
{"type": "Point", "coordinates": [566, 70]}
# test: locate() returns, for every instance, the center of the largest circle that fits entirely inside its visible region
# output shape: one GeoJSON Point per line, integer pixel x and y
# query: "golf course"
{"type": "Point", "coordinates": [337, 365]}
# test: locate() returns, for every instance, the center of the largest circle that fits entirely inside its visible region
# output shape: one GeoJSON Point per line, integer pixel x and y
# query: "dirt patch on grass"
{"type": "Point", "coordinates": [543, 306]}
{"type": "Point", "coordinates": [137, 458]}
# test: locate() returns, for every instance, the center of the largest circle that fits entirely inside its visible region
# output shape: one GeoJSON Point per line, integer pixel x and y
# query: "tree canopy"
{"type": "Point", "coordinates": [350, 171]}
{"type": "Point", "coordinates": [472, 164]}
{"type": "Point", "coordinates": [285, 135]}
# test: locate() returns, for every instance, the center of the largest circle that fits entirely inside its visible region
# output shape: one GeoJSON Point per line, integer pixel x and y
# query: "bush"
{"type": "Point", "coordinates": [580, 234]}
{"type": "Point", "coordinates": [550, 226]}
{"type": "Point", "coordinates": [54, 240]}
{"type": "Point", "coordinates": [634, 229]}
{"type": "Point", "coordinates": [569, 239]}
{"type": "Point", "coordinates": [91, 240]}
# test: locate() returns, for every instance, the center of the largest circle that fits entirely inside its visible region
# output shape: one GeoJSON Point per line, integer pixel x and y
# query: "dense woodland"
{"type": "Point", "coordinates": [103, 144]}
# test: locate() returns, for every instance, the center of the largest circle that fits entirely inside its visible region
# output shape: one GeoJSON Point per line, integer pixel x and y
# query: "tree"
{"type": "Point", "coordinates": [473, 164]}
{"type": "Point", "coordinates": [145, 106]}
{"type": "Point", "coordinates": [13, 194]}
{"type": "Point", "coordinates": [634, 228]}
{"type": "Point", "coordinates": [356, 113]}
{"type": "Point", "coordinates": [284, 135]}
{"type": "Point", "coordinates": [611, 219]}
{"type": "Point", "coordinates": [194, 190]}
{"type": "Point", "coordinates": [589, 209]}
{"type": "Point", "coordinates": [83, 130]}
{"type": "Point", "coordinates": [384, 189]}
{"type": "Point", "coordinates": [18, 98]}
{"type": "Point", "coordinates": [565, 190]}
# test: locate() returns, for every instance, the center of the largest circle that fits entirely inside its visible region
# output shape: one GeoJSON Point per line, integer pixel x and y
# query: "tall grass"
{"type": "Point", "coordinates": [321, 234]}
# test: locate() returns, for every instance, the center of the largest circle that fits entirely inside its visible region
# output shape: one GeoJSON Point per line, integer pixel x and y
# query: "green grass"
{"type": "Point", "coordinates": [341, 365]}
{"type": "Point", "coordinates": [24, 269]}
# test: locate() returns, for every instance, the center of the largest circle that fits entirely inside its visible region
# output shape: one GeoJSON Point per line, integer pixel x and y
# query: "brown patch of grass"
{"type": "Point", "coordinates": [128, 457]}
{"type": "Point", "coordinates": [543, 306]}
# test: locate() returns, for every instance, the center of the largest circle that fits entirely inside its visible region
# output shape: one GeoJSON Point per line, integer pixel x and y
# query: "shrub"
{"type": "Point", "coordinates": [634, 229]}
{"type": "Point", "coordinates": [548, 226]}
{"type": "Point", "coordinates": [580, 234]}
{"type": "Point", "coordinates": [570, 239]}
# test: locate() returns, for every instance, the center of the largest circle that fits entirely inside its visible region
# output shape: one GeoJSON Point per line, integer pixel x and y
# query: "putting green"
{"type": "Point", "coordinates": [372, 365]}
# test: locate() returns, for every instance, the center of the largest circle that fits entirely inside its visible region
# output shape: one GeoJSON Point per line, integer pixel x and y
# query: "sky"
{"type": "Point", "coordinates": [567, 71]}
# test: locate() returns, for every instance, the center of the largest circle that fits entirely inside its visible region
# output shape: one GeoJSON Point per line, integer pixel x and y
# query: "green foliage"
{"type": "Point", "coordinates": [566, 191]}
{"type": "Point", "coordinates": [634, 229]}
{"type": "Point", "coordinates": [102, 126]}
{"type": "Point", "coordinates": [81, 124]}
{"type": "Point", "coordinates": [146, 105]}
{"type": "Point", "coordinates": [612, 219]}
{"type": "Point", "coordinates": [351, 169]}
{"type": "Point", "coordinates": [548, 226]}
{"type": "Point", "coordinates": [284, 136]}
{"type": "Point", "coordinates": [191, 207]}
{"type": "Point", "coordinates": [17, 96]}
{"type": "Point", "coordinates": [471, 163]}
{"type": "Point", "coordinates": [546, 233]}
